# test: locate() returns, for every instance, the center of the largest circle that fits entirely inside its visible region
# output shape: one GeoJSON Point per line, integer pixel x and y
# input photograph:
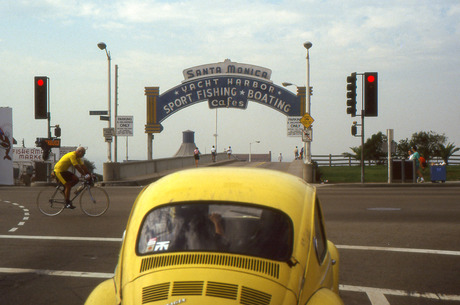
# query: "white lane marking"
{"type": "Point", "coordinates": [379, 292]}
{"type": "Point", "coordinates": [26, 215]}
{"type": "Point", "coordinates": [377, 298]}
{"type": "Point", "coordinates": [405, 250]}
{"type": "Point", "coordinates": [383, 209]}
{"type": "Point", "coordinates": [376, 295]}
{"type": "Point", "coordinates": [67, 238]}
{"type": "Point", "coordinates": [58, 272]}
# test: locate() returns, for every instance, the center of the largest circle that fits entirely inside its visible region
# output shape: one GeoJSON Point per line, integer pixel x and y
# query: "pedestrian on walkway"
{"type": "Point", "coordinates": [229, 152]}
{"type": "Point", "coordinates": [296, 153]}
{"type": "Point", "coordinates": [196, 155]}
{"type": "Point", "coordinates": [280, 158]}
{"type": "Point", "coordinates": [213, 153]}
{"type": "Point", "coordinates": [416, 156]}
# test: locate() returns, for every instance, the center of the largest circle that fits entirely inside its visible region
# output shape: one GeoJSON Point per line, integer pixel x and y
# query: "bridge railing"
{"type": "Point", "coordinates": [115, 171]}
{"type": "Point", "coordinates": [340, 160]}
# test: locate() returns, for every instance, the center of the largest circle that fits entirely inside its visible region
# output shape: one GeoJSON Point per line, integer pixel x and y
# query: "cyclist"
{"type": "Point", "coordinates": [68, 179]}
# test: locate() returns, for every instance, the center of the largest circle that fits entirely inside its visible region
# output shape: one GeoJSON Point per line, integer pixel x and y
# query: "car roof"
{"type": "Point", "coordinates": [228, 184]}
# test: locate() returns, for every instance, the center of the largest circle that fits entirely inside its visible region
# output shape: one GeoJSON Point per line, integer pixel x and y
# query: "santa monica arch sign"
{"type": "Point", "coordinates": [223, 85]}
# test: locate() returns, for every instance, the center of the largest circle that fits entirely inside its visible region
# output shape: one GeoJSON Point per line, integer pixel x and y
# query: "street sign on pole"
{"type": "Point", "coordinates": [108, 133]}
{"type": "Point", "coordinates": [124, 125]}
{"type": "Point", "coordinates": [294, 127]}
{"type": "Point", "coordinates": [98, 112]}
{"type": "Point", "coordinates": [307, 135]}
{"type": "Point", "coordinates": [306, 120]}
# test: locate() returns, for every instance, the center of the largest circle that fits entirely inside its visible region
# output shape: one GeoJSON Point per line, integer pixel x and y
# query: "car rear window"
{"type": "Point", "coordinates": [223, 227]}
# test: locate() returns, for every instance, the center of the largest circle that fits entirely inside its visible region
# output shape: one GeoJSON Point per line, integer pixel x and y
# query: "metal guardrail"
{"type": "Point", "coordinates": [340, 160]}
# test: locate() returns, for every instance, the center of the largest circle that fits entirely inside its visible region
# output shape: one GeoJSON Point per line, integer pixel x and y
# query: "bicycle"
{"type": "Point", "coordinates": [94, 201]}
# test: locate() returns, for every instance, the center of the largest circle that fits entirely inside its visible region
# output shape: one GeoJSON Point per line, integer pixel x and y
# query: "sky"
{"type": "Point", "coordinates": [414, 46]}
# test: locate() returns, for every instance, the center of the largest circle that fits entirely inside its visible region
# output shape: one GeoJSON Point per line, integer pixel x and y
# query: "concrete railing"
{"type": "Point", "coordinates": [127, 170]}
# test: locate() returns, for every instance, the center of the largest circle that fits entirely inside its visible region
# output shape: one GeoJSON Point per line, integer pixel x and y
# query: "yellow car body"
{"type": "Point", "coordinates": [164, 259]}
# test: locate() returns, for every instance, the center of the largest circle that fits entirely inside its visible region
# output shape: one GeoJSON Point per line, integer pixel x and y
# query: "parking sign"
{"type": "Point", "coordinates": [125, 126]}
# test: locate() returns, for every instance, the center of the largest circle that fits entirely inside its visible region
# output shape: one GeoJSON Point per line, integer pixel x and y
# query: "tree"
{"type": "Point", "coordinates": [89, 165]}
{"type": "Point", "coordinates": [356, 155]}
{"type": "Point", "coordinates": [446, 151]}
{"type": "Point", "coordinates": [373, 148]}
{"type": "Point", "coordinates": [428, 143]}
{"type": "Point", "coordinates": [403, 148]}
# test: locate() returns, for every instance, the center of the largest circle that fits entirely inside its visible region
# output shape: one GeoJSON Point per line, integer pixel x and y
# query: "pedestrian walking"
{"type": "Point", "coordinates": [416, 156]}
{"type": "Point", "coordinates": [229, 152]}
{"type": "Point", "coordinates": [196, 155]}
{"type": "Point", "coordinates": [213, 153]}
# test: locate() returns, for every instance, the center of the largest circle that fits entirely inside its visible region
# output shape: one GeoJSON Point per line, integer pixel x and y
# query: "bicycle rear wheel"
{"type": "Point", "coordinates": [51, 201]}
{"type": "Point", "coordinates": [94, 201]}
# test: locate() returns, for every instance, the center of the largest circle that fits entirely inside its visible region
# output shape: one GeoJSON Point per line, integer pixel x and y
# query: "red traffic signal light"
{"type": "Point", "coordinates": [41, 97]}
{"type": "Point", "coordinates": [370, 94]}
{"type": "Point", "coordinates": [370, 78]}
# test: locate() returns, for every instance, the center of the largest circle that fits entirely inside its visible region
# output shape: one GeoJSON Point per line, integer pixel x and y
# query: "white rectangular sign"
{"type": "Point", "coordinates": [24, 154]}
{"type": "Point", "coordinates": [125, 126]}
{"type": "Point", "coordinates": [294, 127]}
{"type": "Point", "coordinates": [6, 144]}
{"type": "Point", "coordinates": [66, 149]}
{"type": "Point", "coordinates": [307, 135]}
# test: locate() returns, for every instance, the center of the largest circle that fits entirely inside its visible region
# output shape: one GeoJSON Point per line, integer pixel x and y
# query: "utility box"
{"type": "Point", "coordinates": [403, 171]}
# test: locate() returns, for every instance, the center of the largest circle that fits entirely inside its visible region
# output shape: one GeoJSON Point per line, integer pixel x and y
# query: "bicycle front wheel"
{"type": "Point", "coordinates": [94, 201]}
{"type": "Point", "coordinates": [51, 201]}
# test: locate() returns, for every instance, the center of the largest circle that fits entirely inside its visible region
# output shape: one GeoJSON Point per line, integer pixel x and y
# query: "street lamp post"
{"type": "Point", "coordinates": [308, 166]}
{"type": "Point", "coordinates": [103, 46]}
{"type": "Point", "coordinates": [250, 149]}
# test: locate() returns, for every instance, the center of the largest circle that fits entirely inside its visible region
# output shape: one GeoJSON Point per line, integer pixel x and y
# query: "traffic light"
{"type": "Point", "coordinates": [41, 97]}
{"type": "Point", "coordinates": [57, 131]}
{"type": "Point", "coordinates": [46, 149]}
{"type": "Point", "coordinates": [370, 94]}
{"type": "Point", "coordinates": [354, 129]}
{"type": "Point", "coordinates": [351, 94]}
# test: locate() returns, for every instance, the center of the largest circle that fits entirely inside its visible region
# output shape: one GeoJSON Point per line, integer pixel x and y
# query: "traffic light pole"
{"type": "Point", "coordinates": [362, 146]}
{"type": "Point", "coordinates": [369, 106]}
{"type": "Point", "coordinates": [48, 114]}
{"type": "Point", "coordinates": [362, 132]}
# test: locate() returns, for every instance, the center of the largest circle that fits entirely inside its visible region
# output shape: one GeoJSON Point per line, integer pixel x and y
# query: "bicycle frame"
{"type": "Point", "coordinates": [77, 192]}
{"type": "Point", "coordinates": [93, 201]}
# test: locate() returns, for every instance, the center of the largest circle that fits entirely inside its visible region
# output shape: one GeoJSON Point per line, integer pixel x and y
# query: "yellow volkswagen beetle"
{"type": "Point", "coordinates": [225, 236]}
